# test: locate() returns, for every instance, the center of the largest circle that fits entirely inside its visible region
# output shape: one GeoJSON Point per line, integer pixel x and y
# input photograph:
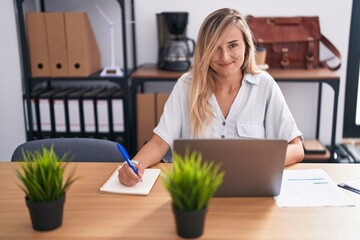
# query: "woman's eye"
{"type": "Point", "coordinates": [233, 45]}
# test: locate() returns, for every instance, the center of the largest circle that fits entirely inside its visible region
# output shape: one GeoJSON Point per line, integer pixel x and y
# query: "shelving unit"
{"type": "Point", "coordinates": [30, 82]}
{"type": "Point", "coordinates": [320, 76]}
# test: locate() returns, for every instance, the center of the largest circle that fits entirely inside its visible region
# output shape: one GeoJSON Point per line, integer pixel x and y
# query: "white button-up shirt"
{"type": "Point", "coordinates": [258, 111]}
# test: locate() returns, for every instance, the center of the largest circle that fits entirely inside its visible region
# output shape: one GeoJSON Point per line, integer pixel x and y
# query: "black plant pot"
{"type": "Point", "coordinates": [47, 215]}
{"type": "Point", "coordinates": [189, 224]}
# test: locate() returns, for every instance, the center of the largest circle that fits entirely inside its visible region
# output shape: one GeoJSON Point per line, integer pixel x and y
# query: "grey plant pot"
{"type": "Point", "coordinates": [46, 216]}
{"type": "Point", "coordinates": [189, 224]}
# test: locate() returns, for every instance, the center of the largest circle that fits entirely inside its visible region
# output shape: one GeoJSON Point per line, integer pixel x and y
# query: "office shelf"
{"type": "Point", "coordinates": [30, 83]}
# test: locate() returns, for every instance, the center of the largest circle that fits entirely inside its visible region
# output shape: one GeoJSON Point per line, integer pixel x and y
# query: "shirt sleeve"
{"type": "Point", "coordinates": [279, 122]}
{"type": "Point", "coordinates": [169, 126]}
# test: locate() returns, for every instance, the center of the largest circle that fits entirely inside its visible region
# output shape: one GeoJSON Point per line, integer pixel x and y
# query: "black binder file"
{"type": "Point", "coordinates": [117, 122]}
{"type": "Point", "coordinates": [60, 112]}
{"type": "Point", "coordinates": [104, 113]}
{"type": "Point", "coordinates": [25, 109]}
{"type": "Point", "coordinates": [74, 116]}
{"type": "Point", "coordinates": [90, 112]}
{"type": "Point", "coordinates": [35, 113]}
{"type": "Point", "coordinates": [46, 108]}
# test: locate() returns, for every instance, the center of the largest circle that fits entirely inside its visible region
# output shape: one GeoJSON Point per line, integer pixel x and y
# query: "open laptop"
{"type": "Point", "coordinates": [253, 167]}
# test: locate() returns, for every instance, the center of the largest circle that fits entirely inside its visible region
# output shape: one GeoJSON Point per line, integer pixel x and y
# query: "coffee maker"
{"type": "Point", "coordinates": [175, 48]}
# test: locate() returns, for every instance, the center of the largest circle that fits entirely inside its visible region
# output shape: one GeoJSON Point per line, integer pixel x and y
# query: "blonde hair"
{"type": "Point", "coordinates": [203, 77]}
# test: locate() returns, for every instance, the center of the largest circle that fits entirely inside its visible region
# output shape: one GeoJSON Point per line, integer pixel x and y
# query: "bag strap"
{"type": "Point", "coordinates": [334, 50]}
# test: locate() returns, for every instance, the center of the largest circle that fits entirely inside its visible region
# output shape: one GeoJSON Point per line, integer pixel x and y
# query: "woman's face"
{"type": "Point", "coordinates": [229, 56]}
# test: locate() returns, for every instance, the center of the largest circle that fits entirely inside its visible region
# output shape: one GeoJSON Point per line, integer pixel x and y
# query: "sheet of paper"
{"type": "Point", "coordinates": [112, 185]}
{"type": "Point", "coordinates": [310, 188]}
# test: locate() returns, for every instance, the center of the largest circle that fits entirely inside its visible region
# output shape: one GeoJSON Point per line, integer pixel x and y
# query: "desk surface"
{"type": "Point", "coordinates": [89, 214]}
{"type": "Point", "coordinates": [278, 74]}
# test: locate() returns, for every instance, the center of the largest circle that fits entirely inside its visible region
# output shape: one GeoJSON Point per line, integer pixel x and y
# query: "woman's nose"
{"type": "Point", "coordinates": [224, 54]}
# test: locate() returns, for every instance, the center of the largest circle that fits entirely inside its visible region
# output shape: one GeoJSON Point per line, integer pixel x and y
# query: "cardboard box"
{"type": "Point", "coordinates": [145, 114]}
{"type": "Point", "coordinates": [160, 99]}
{"type": "Point", "coordinates": [58, 54]}
{"type": "Point", "coordinates": [149, 108]}
{"type": "Point", "coordinates": [38, 44]}
{"type": "Point", "coordinates": [83, 51]}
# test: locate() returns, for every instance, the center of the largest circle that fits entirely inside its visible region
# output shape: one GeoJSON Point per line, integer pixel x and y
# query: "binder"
{"type": "Point", "coordinates": [90, 112]}
{"type": "Point", "coordinates": [38, 44]}
{"type": "Point", "coordinates": [117, 122]}
{"type": "Point", "coordinates": [83, 51]}
{"type": "Point", "coordinates": [46, 109]}
{"type": "Point", "coordinates": [104, 113]}
{"type": "Point", "coordinates": [145, 112]}
{"type": "Point", "coordinates": [75, 117]}
{"type": "Point", "coordinates": [60, 112]}
{"type": "Point", "coordinates": [55, 29]}
{"type": "Point", "coordinates": [27, 124]}
{"type": "Point", "coordinates": [35, 111]}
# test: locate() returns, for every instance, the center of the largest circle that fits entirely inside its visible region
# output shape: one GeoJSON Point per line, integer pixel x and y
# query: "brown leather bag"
{"type": "Point", "coordinates": [292, 42]}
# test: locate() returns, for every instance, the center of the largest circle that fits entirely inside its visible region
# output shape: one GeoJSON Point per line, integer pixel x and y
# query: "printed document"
{"type": "Point", "coordinates": [310, 188]}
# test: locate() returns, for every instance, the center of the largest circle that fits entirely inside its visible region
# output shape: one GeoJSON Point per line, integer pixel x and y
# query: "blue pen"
{"type": "Point", "coordinates": [127, 158]}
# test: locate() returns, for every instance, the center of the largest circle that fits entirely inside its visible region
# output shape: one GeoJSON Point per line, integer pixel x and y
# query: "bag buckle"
{"type": "Point", "coordinates": [269, 21]}
{"type": "Point", "coordinates": [309, 58]}
{"type": "Point", "coordinates": [310, 55]}
{"type": "Point", "coordinates": [285, 62]}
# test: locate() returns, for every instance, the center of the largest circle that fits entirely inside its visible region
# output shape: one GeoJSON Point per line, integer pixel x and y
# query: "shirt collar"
{"type": "Point", "coordinates": [252, 78]}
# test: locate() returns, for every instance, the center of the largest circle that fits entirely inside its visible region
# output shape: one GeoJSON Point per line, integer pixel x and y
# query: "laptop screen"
{"type": "Point", "coordinates": [253, 167]}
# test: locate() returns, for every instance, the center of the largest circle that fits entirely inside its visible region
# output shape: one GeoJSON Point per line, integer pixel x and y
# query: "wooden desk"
{"type": "Point", "coordinates": [320, 76]}
{"type": "Point", "coordinates": [89, 214]}
{"type": "Point", "coordinates": [154, 73]}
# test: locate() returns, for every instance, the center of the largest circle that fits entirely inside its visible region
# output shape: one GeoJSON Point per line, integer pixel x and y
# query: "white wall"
{"type": "Point", "coordinates": [12, 128]}
{"type": "Point", "coordinates": [334, 19]}
{"type": "Point", "coordinates": [302, 98]}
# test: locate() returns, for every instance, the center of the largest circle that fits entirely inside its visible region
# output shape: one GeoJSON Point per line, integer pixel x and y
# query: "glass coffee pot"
{"type": "Point", "coordinates": [178, 53]}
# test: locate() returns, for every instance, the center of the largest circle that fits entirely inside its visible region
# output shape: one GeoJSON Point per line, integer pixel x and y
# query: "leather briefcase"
{"type": "Point", "coordinates": [292, 42]}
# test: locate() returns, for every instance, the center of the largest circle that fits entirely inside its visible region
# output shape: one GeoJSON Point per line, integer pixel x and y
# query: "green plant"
{"type": "Point", "coordinates": [192, 183]}
{"type": "Point", "coordinates": [42, 173]}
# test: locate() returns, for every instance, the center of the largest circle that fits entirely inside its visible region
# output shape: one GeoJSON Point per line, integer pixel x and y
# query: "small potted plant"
{"type": "Point", "coordinates": [191, 183]}
{"type": "Point", "coordinates": [42, 179]}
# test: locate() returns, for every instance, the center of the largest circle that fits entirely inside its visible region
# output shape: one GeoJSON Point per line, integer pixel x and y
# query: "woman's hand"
{"type": "Point", "coordinates": [150, 154]}
{"type": "Point", "coordinates": [128, 177]}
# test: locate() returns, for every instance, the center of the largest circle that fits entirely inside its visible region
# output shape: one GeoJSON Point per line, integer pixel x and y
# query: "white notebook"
{"type": "Point", "coordinates": [112, 184]}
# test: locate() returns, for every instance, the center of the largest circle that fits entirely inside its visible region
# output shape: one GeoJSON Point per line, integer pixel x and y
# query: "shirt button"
{"type": "Point", "coordinates": [222, 136]}
{"type": "Point", "coordinates": [223, 123]}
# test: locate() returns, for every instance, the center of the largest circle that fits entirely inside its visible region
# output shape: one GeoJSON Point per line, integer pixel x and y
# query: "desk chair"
{"type": "Point", "coordinates": [78, 149]}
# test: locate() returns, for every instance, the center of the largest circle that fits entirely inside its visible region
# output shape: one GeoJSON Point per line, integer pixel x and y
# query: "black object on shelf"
{"type": "Point", "coordinates": [346, 153]}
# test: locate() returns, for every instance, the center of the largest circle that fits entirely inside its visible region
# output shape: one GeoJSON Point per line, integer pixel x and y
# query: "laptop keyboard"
{"type": "Point", "coordinates": [347, 153]}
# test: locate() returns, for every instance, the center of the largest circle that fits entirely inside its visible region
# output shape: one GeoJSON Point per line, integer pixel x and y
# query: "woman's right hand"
{"type": "Point", "coordinates": [150, 154]}
{"type": "Point", "coordinates": [128, 177]}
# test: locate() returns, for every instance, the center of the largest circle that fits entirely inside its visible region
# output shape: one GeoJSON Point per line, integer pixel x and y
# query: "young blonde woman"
{"type": "Point", "coordinates": [224, 95]}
